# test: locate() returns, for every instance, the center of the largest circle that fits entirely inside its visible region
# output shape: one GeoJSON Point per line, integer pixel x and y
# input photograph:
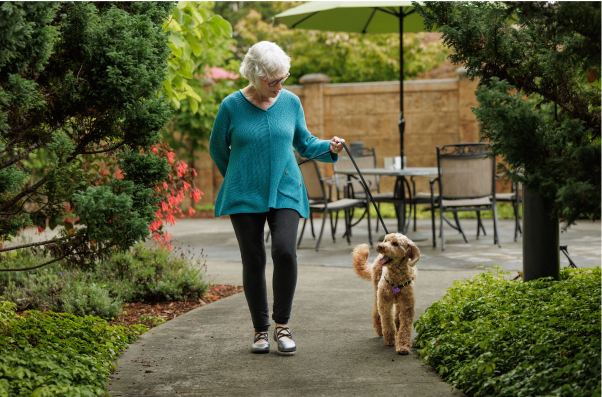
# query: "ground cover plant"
{"type": "Point", "coordinates": [58, 354]}
{"type": "Point", "coordinates": [491, 336]}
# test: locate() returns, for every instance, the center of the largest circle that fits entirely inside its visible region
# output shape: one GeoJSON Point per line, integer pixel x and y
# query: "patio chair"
{"type": "Point", "coordinates": [353, 189]}
{"type": "Point", "coordinates": [466, 182]}
{"type": "Point", "coordinates": [320, 202]}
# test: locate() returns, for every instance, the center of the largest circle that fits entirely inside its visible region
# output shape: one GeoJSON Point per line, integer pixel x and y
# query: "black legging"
{"type": "Point", "coordinates": [249, 229]}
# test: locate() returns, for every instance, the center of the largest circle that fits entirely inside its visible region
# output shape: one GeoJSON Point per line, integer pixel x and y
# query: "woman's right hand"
{"type": "Point", "coordinates": [336, 144]}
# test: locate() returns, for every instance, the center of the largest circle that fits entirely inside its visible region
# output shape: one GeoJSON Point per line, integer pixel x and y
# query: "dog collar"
{"type": "Point", "coordinates": [397, 288]}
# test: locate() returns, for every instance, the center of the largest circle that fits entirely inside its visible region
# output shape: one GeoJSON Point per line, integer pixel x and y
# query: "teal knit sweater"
{"type": "Point", "coordinates": [253, 150]}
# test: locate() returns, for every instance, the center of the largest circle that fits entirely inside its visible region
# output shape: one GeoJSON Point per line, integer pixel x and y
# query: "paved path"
{"type": "Point", "coordinates": [206, 351]}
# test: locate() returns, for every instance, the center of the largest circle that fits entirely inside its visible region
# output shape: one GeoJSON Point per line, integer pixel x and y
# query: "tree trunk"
{"type": "Point", "coordinates": [541, 241]}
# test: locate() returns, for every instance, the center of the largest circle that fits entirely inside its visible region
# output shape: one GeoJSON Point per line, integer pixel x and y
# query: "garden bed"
{"type": "Point", "coordinates": [135, 312]}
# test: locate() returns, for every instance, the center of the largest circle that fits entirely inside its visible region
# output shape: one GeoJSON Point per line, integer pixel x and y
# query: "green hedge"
{"type": "Point", "coordinates": [54, 354]}
{"type": "Point", "coordinates": [491, 336]}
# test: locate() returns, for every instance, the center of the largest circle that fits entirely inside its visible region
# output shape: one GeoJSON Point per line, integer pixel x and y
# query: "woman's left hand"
{"type": "Point", "coordinates": [336, 145]}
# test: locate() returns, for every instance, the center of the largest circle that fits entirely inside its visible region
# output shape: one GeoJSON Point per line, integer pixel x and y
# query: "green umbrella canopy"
{"type": "Point", "coordinates": [359, 17]}
{"type": "Point", "coordinates": [353, 16]}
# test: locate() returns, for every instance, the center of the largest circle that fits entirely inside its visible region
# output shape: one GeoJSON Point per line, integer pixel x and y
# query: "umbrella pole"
{"type": "Point", "coordinates": [401, 120]}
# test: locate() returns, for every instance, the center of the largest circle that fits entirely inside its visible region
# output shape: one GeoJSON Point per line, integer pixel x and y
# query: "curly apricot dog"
{"type": "Point", "coordinates": [393, 274]}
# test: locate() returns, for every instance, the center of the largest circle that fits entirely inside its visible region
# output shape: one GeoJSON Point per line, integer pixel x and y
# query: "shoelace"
{"type": "Point", "coordinates": [262, 336]}
{"type": "Point", "coordinates": [284, 332]}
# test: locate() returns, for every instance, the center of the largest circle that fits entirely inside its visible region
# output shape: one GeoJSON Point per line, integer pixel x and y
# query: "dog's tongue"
{"type": "Point", "coordinates": [383, 260]}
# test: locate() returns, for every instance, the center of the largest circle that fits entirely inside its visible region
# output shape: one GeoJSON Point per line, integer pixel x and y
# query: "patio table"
{"type": "Point", "coordinates": [399, 193]}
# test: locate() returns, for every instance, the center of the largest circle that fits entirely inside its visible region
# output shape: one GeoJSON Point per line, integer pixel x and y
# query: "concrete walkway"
{"type": "Point", "coordinates": [206, 351]}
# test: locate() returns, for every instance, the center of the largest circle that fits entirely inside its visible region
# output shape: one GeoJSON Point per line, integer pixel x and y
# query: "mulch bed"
{"type": "Point", "coordinates": [170, 310]}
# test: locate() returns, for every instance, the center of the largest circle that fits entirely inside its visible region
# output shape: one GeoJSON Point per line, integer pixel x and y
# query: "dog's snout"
{"type": "Point", "coordinates": [379, 247]}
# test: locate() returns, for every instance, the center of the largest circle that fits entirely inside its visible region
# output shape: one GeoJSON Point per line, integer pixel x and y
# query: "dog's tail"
{"type": "Point", "coordinates": [362, 267]}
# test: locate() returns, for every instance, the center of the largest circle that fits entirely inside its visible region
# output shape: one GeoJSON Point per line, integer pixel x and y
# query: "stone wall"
{"type": "Point", "coordinates": [437, 112]}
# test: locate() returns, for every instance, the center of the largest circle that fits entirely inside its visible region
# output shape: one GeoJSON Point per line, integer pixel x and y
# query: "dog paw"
{"type": "Point", "coordinates": [402, 350]}
{"type": "Point", "coordinates": [378, 328]}
{"type": "Point", "coordinates": [389, 340]}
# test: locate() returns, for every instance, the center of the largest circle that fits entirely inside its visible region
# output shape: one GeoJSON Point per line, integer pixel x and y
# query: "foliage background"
{"type": "Point", "coordinates": [344, 57]}
{"type": "Point", "coordinates": [201, 40]}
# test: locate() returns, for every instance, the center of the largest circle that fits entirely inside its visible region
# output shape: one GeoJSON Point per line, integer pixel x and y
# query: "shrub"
{"type": "Point", "coordinates": [90, 299]}
{"type": "Point", "coordinates": [152, 275]}
{"type": "Point", "coordinates": [142, 274]}
{"type": "Point", "coordinates": [491, 336]}
{"type": "Point", "coordinates": [52, 354]}
{"type": "Point", "coordinates": [40, 289]}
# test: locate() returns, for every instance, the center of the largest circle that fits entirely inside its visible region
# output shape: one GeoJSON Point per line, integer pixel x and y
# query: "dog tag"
{"type": "Point", "coordinates": [396, 290]}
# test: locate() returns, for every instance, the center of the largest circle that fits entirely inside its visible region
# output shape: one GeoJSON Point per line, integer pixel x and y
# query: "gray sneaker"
{"type": "Point", "coordinates": [261, 348]}
{"type": "Point", "coordinates": [285, 347]}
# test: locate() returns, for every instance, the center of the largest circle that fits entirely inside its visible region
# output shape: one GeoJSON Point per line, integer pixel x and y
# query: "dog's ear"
{"type": "Point", "coordinates": [414, 254]}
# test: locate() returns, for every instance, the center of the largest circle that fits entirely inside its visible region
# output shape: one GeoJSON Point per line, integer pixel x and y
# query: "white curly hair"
{"type": "Point", "coordinates": [264, 60]}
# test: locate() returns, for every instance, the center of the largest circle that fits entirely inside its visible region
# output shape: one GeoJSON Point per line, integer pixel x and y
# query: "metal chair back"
{"type": "Point", "coordinates": [465, 172]}
{"type": "Point", "coordinates": [313, 181]}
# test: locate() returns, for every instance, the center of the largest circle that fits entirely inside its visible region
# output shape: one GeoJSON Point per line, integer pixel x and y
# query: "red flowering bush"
{"type": "Point", "coordinates": [169, 192]}
{"type": "Point", "coordinates": [172, 192]}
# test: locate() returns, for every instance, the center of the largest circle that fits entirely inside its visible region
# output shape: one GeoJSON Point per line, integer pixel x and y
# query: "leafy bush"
{"type": "Point", "coordinates": [7, 312]}
{"type": "Point", "coordinates": [490, 336]}
{"type": "Point", "coordinates": [152, 275]}
{"type": "Point", "coordinates": [52, 354]}
{"type": "Point", "coordinates": [142, 274]}
{"type": "Point", "coordinates": [90, 298]}
{"type": "Point", "coordinates": [40, 289]}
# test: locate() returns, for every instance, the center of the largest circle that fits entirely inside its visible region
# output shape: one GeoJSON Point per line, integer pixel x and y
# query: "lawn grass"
{"type": "Point", "coordinates": [387, 211]}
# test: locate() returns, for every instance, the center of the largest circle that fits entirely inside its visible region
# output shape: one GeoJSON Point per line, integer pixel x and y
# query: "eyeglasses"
{"type": "Point", "coordinates": [275, 82]}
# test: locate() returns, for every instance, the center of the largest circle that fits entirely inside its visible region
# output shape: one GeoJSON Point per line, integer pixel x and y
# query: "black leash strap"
{"type": "Point", "coordinates": [321, 154]}
{"type": "Point", "coordinates": [363, 182]}
{"type": "Point", "coordinates": [366, 188]}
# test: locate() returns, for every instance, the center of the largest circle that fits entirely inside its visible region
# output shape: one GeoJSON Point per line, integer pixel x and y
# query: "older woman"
{"type": "Point", "coordinates": [252, 144]}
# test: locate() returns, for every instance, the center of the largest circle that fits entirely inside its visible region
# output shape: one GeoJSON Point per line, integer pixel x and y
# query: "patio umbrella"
{"type": "Point", "coordinates": [359, 17]}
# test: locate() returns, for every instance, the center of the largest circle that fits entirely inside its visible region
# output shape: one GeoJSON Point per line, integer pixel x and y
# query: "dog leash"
{"type": "Point", "coordinates": [321, 154]}
{"type": "Point", "coordinates": [362, 178]}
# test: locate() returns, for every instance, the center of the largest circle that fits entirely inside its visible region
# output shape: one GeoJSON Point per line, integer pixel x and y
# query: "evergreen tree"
{"type": "Point", "coordinates": [79, 79]}
{"type": "Point", "coordinates": [549, 54]}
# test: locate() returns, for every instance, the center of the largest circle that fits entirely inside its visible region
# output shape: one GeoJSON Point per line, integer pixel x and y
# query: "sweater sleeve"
{"type": "Point", "coordinates": [219, 144]}
{"type": "Point", "coordinates": [308, 145]}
